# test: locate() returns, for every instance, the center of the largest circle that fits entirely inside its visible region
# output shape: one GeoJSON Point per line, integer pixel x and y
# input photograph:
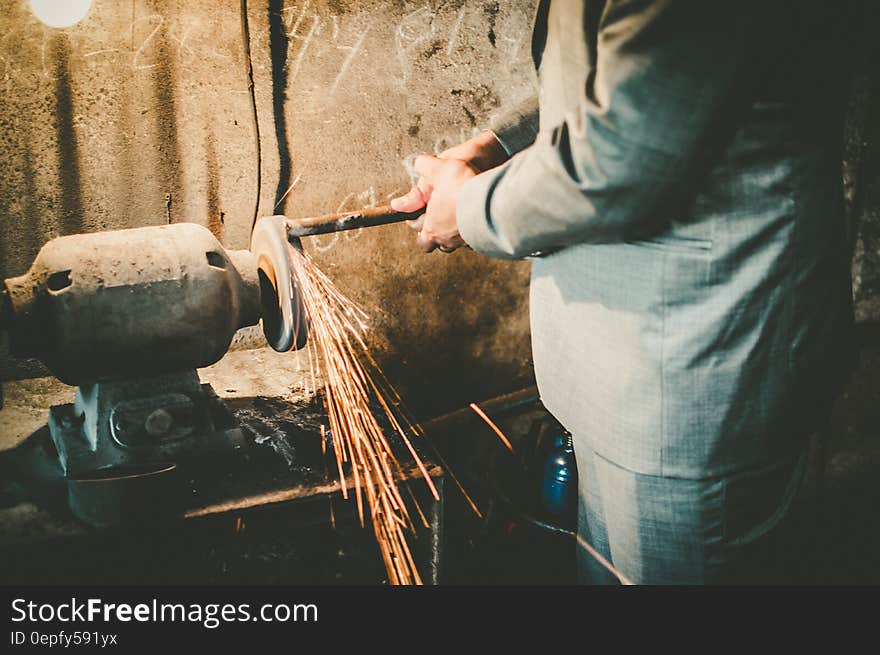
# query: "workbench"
{"type": "Point", "coordinates": [271, 513]}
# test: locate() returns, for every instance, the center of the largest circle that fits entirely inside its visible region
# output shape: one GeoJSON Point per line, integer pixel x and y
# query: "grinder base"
{"type": "Point", "coordinates": [123, 445]}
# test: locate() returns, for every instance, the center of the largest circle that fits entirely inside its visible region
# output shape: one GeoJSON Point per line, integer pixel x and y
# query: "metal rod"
{"type": "Point", "coordinates": [498, 406]}
{"type": "Point", "coordinates": [304, 227]}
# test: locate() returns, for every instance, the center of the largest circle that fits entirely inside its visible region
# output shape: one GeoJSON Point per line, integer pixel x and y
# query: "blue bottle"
{"type": "Point", "coordinates": [560, 477]}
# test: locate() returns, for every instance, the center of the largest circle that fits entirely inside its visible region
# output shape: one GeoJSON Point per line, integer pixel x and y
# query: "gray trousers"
{"type": "Point", "coordinates": [658, 530]}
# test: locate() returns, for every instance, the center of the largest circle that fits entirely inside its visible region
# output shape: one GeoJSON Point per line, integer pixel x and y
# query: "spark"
{"type": "Point", "coordinates": [338, 355]}
{"type": "Point", "coordinates": [494, 427]}
{"type": "Point", "coordinates": [598, 557]}
{"type": "Point", "coordinates": [289, 189]}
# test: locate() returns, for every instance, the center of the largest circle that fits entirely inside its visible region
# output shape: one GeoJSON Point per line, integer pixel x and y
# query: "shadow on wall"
{"type": "Point", "coordinates": [214, 218]}
{"type": "Point", "coordinates": [69, 181]}
{"type": "Point", "coordinates": [70, 156]}
{"type": "Point", "coordinates": [167, 143]}
{"type": "Point", "coordinates": [278, 46]}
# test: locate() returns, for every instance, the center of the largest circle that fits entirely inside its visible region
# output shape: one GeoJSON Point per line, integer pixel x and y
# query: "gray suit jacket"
{"type": "Point", "coordinates": [677, 184]}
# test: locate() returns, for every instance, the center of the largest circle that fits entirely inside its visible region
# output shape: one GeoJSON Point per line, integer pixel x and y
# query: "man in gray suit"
{"type": "Point", "coordinates": [677, 187]}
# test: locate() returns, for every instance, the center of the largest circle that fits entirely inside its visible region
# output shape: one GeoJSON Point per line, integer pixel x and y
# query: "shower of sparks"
{"type": "Point", "coordinates": [336, 349]}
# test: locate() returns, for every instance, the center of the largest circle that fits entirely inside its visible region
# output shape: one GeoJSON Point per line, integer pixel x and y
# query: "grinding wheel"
{"type": "Point", "coordinates": [285, 324]}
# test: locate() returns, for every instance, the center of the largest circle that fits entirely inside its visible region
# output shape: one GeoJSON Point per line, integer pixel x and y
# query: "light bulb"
{"type": "Point", "coordinates": [60, 13]}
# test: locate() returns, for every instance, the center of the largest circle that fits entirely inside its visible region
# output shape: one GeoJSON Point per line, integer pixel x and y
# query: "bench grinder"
{"type": "Point", "coordinates": [127, 317]}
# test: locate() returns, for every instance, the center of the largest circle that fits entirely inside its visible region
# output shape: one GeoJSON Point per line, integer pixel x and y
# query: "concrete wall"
{"type": "Point", "coordinates": [141, 114]}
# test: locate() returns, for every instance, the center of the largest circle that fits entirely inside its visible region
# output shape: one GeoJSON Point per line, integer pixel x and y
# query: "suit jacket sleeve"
{"type": "Point", "coordinates": [517, 129]}
{"type": "Point", "coordinates": [665, 73]}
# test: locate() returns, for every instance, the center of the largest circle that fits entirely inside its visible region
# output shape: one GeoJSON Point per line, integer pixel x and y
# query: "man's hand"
{"type": "Point", "coordinates": [444, 177]}
{"type": "Point", "coordinates": [481, 152]}
{"type": "Point", "coordinates": [440, 179]}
